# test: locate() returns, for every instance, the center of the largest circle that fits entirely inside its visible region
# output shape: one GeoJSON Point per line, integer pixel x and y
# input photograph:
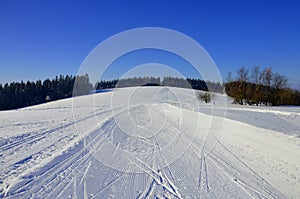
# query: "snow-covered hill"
{"type": "Point", "coordinates": [149, 142]}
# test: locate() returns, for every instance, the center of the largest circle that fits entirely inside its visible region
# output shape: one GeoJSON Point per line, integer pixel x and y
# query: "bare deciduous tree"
{"type": "Point", "coordinates": [279, 81]}
{"type": "Point", "coordinates": [242, 74]}
{"type": "Point", "coordinates": [229, 77]}
{"type": "Point", "coordinates": [255, 75]}
{"type": "Point", "coordinates": [267, 76]}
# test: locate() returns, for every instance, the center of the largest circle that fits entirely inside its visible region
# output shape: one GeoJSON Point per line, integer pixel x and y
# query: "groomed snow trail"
{"type": "Point", "coordinates": [142, 143]}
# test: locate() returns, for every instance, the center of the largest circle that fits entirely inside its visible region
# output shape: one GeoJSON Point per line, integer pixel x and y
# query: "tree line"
{"type": "Point", "coordinates": [260, 87]}
{"type": "Point", "coordinates": [21, 94]}
{"type": "Point", "coordinates": [197, 84]}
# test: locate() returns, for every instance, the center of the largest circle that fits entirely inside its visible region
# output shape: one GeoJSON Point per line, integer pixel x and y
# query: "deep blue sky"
{"type": "Point", "coordinates": [40, 39]}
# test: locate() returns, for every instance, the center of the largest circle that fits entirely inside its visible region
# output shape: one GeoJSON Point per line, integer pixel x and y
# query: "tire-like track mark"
{"type": "Point", "coordinates": [220, 162]}
{"type": "Point", "coordinates": [38, 136]}
{"type": "Point", "coordinates": [74, 158]}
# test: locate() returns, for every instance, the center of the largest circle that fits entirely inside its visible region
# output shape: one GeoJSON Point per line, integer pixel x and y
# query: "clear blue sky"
{"type": "Point", "coordinates": [40, 39]}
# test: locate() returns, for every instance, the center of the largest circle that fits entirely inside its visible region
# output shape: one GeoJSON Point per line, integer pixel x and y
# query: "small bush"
{"type": "Point", "coordinates": [206, 97]}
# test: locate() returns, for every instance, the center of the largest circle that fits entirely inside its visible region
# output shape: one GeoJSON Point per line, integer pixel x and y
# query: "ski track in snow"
{"type": "Point", "coordinates": [59, 159]}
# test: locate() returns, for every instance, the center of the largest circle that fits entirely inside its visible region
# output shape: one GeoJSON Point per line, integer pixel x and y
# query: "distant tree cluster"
{"type": "Point", "coordinates": [104, 84]}
{"type": "Point", "coordinates": [128, 82]}
{"type": "Point", "coordinates": [82, 85]}
{"type": "Point", "coordinates": [176, 82]}
{"type": "Point", "coordinates": [21, 94]}
{"type": "Point", "coordinates": [261, 87]}
{"type": "Point", "coordinates": [197, 84]}
{"type": "Point", "coordinates": [216, 87]}
{"type": "Point", "coordinates": [138, 81]}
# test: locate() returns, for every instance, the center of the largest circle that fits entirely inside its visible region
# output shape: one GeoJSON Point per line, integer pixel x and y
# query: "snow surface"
{"type": "Point", "coordinates": [149, 142]}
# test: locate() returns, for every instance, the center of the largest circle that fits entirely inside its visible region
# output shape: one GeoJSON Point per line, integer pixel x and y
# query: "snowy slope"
{"type": "Point", "coordinates": [149, 142]}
